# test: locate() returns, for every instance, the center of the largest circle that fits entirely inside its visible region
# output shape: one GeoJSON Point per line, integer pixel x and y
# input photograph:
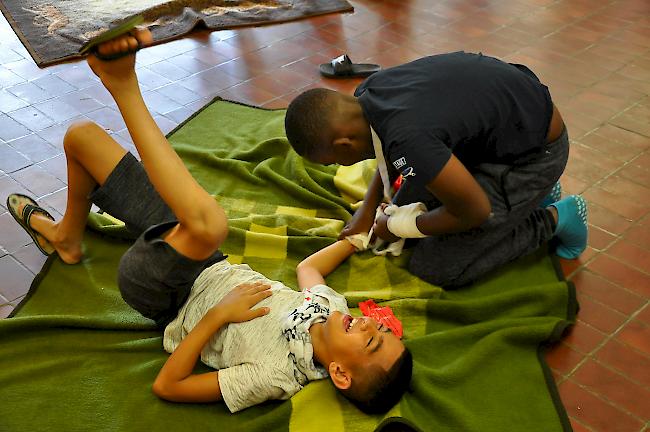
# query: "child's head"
{"type": "Point", "coordinates": [366, 362]}
{"type": "Point", "coordinates": [327, 127]}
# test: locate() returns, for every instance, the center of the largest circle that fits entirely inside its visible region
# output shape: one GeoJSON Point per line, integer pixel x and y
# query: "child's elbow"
{"type": "Point", "coordinates": [162, 389]}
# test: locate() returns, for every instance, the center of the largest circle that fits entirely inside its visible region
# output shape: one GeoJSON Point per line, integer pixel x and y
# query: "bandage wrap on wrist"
{"type": "Point", "coordinates": [402, 220]}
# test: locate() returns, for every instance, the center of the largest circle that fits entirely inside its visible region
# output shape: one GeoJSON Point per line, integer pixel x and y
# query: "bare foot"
{"type": "Point", "coordinates": [69, 250]}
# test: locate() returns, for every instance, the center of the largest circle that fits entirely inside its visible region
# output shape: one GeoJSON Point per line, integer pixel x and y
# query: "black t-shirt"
{"type": "Point", "coordinates": [478, 107]}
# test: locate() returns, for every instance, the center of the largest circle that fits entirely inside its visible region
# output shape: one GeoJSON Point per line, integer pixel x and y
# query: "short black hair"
{"type": "Point", "coordinates": [381, 390]}
{"type": "Point", "coordinates": [307, 121]}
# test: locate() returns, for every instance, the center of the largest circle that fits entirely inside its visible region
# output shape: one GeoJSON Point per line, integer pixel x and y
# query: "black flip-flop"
{"type": "Point", "coordinates": [13, 201]}
{"type": "Point", "coordinates": [342, 67]}
{"type": "Point", "coordinates": [118, 30]}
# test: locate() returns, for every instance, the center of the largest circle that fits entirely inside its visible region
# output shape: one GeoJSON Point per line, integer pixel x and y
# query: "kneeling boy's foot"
{"type": "Point", "coordinates": [554, 196]}
{"type": "Point", "coordinates": [571, 230]}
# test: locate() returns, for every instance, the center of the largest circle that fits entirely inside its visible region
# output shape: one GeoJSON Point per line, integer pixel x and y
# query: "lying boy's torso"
{"type": "Point", "coordinates": [253, 357]}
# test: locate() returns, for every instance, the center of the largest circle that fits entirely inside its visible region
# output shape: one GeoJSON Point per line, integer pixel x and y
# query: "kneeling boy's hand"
{"type": "Point", "coordinates": [237, 305]}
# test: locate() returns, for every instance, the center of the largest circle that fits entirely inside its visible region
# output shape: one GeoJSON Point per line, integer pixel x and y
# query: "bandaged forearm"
{"type": "Point", "coordinates": [402, 220]}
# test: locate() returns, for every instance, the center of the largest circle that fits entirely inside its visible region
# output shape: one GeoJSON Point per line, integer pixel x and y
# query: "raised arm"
{"type": "Point", "coordinates": [202, 222]}
{"type": "Point", "coordinates": [313, 269]}
{"type": "Point", "coordinates": [175, 381]}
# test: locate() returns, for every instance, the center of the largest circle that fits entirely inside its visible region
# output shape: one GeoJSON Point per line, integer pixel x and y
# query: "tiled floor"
{"type": "Point", "coordinates": [593, 54]}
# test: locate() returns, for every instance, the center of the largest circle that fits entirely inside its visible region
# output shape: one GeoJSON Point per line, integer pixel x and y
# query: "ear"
{"type": "Point", "coordinates": [340, 376]}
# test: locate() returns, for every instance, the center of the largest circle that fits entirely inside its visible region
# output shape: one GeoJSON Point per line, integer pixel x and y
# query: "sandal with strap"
{"type": "Point", "coordinates": [123, 28]}
{"type": "Point", "coordinates": [342, 67]}
{"type": "Point", "coordinates": [23, 217]}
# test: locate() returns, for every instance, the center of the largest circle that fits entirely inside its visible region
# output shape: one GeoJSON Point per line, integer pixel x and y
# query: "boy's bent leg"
{"type": "Point", "coordinates": [91, 155]}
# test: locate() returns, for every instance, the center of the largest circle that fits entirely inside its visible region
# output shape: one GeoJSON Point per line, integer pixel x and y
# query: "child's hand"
{"type": "Point", "coordinates": [237, 305]}
{"type": "Point", "coordinates": [116, 72]}
{"type": "Point", "coordinates": [380, 229]}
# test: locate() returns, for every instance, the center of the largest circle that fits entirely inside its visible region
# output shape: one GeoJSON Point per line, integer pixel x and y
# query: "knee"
{"type": "Point", "coordinates": [79, 133]}
{"type": "Point", "coordinates": [208, 225]}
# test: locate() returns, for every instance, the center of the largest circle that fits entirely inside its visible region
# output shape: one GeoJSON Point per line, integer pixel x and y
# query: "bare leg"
{"type": "Point", "coordinates": [202, 224]}
{"type": "Point", "coordinates": [91, 155]}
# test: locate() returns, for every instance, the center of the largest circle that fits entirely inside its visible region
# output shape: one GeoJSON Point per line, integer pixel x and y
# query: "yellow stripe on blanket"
{"type": "Point", "coordinates": [353, 181]}
{"type": "Point", "coordinates": [266, 242]}
{"type": "Point", "coordinates": [296, 211]}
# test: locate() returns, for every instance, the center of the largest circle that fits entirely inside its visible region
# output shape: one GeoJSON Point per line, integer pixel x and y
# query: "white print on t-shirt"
{"type": "Point", "coordinates": [399, 163]}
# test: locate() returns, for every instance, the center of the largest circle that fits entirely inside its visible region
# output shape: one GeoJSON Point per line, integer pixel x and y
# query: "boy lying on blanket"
{"type": "Point", "coordinates": [265, 340]}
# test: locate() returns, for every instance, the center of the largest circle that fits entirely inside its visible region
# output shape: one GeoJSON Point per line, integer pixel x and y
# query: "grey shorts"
{"type": "Point", "coordinates": [153, 277]}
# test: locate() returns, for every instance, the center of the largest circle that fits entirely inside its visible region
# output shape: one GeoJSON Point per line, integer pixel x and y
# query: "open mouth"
{"type": "Point", "coordinates": [348, 322]}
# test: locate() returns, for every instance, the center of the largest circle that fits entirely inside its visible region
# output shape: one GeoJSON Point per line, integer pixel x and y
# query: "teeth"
{"type": "Point", "coordinates": [354, 320]}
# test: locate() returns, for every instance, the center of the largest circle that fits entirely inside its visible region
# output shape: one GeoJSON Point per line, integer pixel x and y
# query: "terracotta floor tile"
{"type": "Point", "coordinates": [16, 279]}
{"type": "Point", "coordinates": [644, 315]}
{"type": "Point", "coordinates": [606, 293]}
{"type": "Point", "coordinates": [628, 208]}
{"type": "Point", "coordinates": [577, 426]}
{"type": "Point", "coordinates": [598, 315]}
{"type": "Point", "coordinates": [207, 56]}
{"type": "Point", "coordinates": [31, 118]}
{"type": "Point", "coordinates": [10, 129]}
{"type": "Point", "coordinates": [179, 115]}
{"type": "Point", "coordinates": [8, 101]}
{"type": "Point", "coordinates": [189, 63]}
{"type": "Point", "coordinates": [588, 164]}
{"type": "Point", "coordinates": [615, 149]}
{"type": "Point", "coordinates": [635, 174]}
{"type": "Point", "coordinates": [30, 257]}
{"type": "Point", "coordinates": [35, 148]}
{"type": "Point", "coordinates": [248, 93]}
{"type": "Point", "coordinates": [624, 136]}
{"type": "Point", "coordinates": [614, 387]}
{"type": "Point", "coordinates": [179, 94]}
{"type": "Point", "coordinates": [631, 254]}
{"type": "Point", "coordinates": [29, 92]}
{"type": "Point", "coordinates": [599, 239]}
{"type": "Point", "coordinates": [109, 118]}
{"type": "Point", "coordinates": [37, 180]}
{"type": "Point", "coordinates": [625, 360]}
{"type": "Point", "coordinates": [631, 123]}
{"type": "Point", "coordinates": [8, 78]}
{"type": "Point", "coordinates": [637, 335]}
{"type": "Point", "coordinates": [572, 185]}
{"type": "Point", "coordinates": [58, 110]}
{"type": "Point", "coordinates": [11, 160]}
{"type": "Point", "coordinates": [621, 274]}
{"type": "Point", "coordinates": [595, 412]}
{"type": "Point", "coordinates": [593, 56]}
{"type": "Point", "coordinates": [607, 219]}
{"type": "Point", "coordinates": [54, 85]}
{"type": "Point", "coordinates": [55, 202]}
{"type": "Point", "coordinates": [563, 358]}
{"type": "Point", "coordinates": [57, 167]}
{"type": "Point", "coordinates": [583, 338]}
{"type": "Point", "coordinates": [5, 310]}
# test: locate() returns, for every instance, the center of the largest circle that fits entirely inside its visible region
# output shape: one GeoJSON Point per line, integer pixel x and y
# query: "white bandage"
{"type": "Point", "coordinates": [402, 220]}
{"type": "Point", "coordinates": [360, 241]}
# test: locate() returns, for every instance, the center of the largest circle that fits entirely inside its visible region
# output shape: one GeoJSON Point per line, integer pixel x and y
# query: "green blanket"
{"type": "Point", "coordinates": [75, 357]}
